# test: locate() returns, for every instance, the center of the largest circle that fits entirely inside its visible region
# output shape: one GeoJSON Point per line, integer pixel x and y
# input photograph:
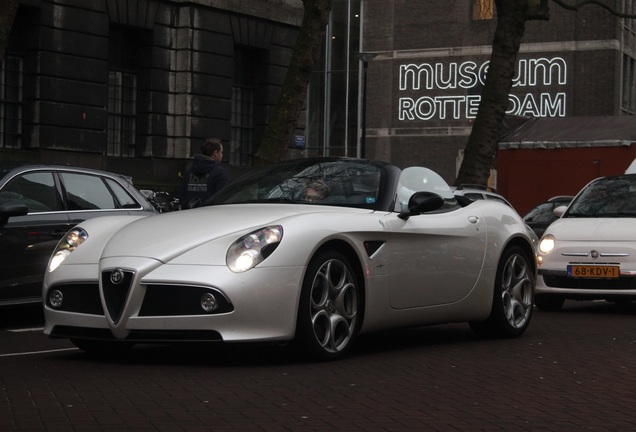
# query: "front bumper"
{"type": "Point", "coordinates": [163, 302]}
{"type": "Point", "coordinates": [558, 282]}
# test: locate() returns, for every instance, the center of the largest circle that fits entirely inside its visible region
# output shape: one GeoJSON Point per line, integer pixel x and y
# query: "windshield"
{"type": "Point", "coordinates": [419, 179]}
{"type": "Point", "coordinates": [606, 197]}
{"type": "Point", "coordinates": [328, 182]}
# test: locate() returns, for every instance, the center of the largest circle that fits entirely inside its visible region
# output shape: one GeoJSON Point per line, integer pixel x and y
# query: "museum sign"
{"type": "Point", "coordinates": [442, 91]}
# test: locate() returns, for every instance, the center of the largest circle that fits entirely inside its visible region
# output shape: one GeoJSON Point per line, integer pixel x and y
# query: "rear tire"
{"type": "Point", "coordinates": [512, 298]}
{"type": "Point", "coordinates": [330, 310]}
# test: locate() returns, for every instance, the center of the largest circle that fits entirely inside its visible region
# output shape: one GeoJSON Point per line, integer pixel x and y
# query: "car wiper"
{"type": "Point", "coordinates": [280, 200]}
{"type": "Point", "coordinates": [577, 215]}
{"type": "Point", "coordinates": [253, 201]}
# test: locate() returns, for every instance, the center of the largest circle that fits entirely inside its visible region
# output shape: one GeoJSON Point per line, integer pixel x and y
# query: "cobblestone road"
{"type": "Point", "coordinates": [574, 370]}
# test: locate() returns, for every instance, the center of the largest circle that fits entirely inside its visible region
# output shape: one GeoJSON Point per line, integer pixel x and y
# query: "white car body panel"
{"type": "Point", "coordinates": [201, 261]}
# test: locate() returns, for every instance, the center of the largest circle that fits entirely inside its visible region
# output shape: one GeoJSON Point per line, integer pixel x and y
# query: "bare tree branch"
{"type": "Point", "coordinates": [580, 3]}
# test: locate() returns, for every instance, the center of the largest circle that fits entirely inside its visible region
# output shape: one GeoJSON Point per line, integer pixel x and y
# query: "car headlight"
{"type": "Point", "coordinates": [73, 239]}
{"type": "Point", "coordinates": [253, 248]}
{"type": "Point", "coordinates": [546, 245]}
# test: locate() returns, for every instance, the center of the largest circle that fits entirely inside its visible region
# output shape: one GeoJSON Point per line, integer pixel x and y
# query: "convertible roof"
{"type": "Point", "coordinates": [568, 132]}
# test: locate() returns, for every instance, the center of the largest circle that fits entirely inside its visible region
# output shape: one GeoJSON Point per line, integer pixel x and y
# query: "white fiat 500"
{"type": "Point", "coordinates": [590, 252]}
{"type": "Point", "coordinates": [312, 251]}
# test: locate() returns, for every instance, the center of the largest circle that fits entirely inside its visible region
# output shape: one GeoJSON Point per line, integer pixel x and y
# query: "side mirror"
{"type": "Point", "coordinates": [422, 202]}
{"type": "Point", "coordinates": [11, 209]}
{"type": "Point", "coordinates": [558, 212]}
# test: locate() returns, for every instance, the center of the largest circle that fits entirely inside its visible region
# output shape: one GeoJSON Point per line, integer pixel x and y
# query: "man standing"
{"type": "Point", "coordinates": [206, 176]}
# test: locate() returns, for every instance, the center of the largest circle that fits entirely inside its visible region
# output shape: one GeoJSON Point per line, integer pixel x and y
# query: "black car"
{"type": "Point", "coordinates": [41, 203]}
{"type": "Point", "coordinates": [540, 217]}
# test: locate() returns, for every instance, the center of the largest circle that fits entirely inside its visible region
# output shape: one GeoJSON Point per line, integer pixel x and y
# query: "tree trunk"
{"type": "Point", "coordinates": [481, 148]}
{"type": "Point", "coordinates": [280, 131]}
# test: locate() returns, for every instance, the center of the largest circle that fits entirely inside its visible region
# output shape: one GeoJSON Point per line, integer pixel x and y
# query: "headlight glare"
{"type": "Point", "coordinates": [73, 239]}
{"type": "Point", "coordinates": [251, 249]}
{"type": "Point", "coordinates": [546, 245]}
{"type": "Point", "coordinates": [246, 260]}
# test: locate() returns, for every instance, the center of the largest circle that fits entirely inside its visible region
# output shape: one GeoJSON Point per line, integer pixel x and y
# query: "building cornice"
{"type": "Point", "coordinates": [283, 11]}
{"type": "Point", "coordinates": [565, 46]}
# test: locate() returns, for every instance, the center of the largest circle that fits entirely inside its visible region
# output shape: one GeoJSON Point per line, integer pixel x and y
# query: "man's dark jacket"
{"type": "Point", "coordinates": [202, 180]}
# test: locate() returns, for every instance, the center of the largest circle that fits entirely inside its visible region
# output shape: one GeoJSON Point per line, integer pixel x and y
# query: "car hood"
{"type": "Point", "coordinates": [592, 229]}
{"type": "Point", "coordinates": [169, 235]}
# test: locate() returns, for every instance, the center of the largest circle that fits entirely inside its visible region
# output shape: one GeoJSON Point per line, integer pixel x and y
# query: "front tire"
{"type": "Point", "coordinates": [330, 310]}
{"type": "Point", "coordinates": [513, 296]}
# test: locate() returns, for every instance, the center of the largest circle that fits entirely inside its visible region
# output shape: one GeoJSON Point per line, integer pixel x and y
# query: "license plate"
{"type": "Point", "coordinates": [593, 271]}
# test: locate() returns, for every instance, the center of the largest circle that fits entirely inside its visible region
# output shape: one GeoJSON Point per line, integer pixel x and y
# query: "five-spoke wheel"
{"type": "Point", "coordinates": [513, 296]}
{"type": "Point", "coordinates": [330, 308]}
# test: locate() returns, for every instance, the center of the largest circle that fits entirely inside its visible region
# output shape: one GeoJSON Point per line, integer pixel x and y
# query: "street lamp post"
{"type": "Point", "coordinates": [365, 58]}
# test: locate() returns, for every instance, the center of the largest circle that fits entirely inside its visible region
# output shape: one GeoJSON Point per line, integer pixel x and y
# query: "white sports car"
{"type": "Point", "coordinates": [590, 252]}
{"type": "Point", "coordinates": [263, 261]}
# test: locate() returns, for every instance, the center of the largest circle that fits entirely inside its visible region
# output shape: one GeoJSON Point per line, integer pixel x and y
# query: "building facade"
{"type": "Point", "coordinates": [429, 61]}
{"type": "Point", "coordinates": [133, 86]}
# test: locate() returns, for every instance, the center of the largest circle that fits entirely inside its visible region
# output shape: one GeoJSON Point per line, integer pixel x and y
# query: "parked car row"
{"type": "Point", "coordinates": [478, 192]}
{"type": "Point", "coordinates": [382, 247]}
{"type": "Point", "coordinates": [541, 216]}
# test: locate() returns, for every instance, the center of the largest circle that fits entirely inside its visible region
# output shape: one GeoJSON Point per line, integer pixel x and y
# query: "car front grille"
{"type": "Point", "coordinates": [172, 300]}
{"type": "Point", "coordinates": [116, 284]}
{"type": "Point", "coordinates": [79, 298]}
{"type": "Point", "coordinates": [159, 300]}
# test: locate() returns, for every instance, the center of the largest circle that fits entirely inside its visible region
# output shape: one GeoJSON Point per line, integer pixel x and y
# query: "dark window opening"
{"type": "Point", "coordinates": [242, 145]}
{"type": "Point", "coordinates": [11, 101]}
{"type": "Point", "coordinates": [12, 78]}
{"type": "Point", "coordinates": [124, 52]}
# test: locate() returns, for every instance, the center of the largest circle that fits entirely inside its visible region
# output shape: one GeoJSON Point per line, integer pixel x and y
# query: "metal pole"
{"type": "Point", "coordinates": [363, 137]}
{"type": "Point", "coordinates": [365, 58]}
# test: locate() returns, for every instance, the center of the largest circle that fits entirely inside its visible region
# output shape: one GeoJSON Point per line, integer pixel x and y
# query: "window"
{"type": "Point", "coordinates": [11, 82]}
{"type": "Point", "coordinates": [123, 58]}
{"type": "Point", "coordinates": [335, 97]}
{"type": "Point", "coordinates": [124, 198]}
{"type": "Point", "coordinates": [243, 101]}
{"type": "Point", "coordinates": [19, 49]}
{"type": "Point", "coordinates": [483, 9]}
{"type": "Point", "coordinates": [122, 113]}
{"type": "Point", "coordinates": [35, 190]}
{"type": "Point", "coordinates": [87, 192]}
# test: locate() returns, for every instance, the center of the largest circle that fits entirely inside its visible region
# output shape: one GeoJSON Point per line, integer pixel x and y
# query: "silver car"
{"type": "Point", "coordinates": [38, 205]}
{"type": "Point", "coordinates": [268, 261]}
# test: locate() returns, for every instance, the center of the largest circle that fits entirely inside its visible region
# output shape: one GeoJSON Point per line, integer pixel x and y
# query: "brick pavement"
{"type": "Point", "coordinates": [573, 370]}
